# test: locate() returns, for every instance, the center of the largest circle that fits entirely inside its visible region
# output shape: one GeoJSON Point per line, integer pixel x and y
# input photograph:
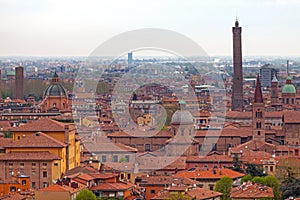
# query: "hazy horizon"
{"type": "Point", "coordinates": [75, 28]}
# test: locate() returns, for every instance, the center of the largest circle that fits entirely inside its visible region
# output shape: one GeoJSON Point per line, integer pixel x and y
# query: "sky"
{"type": "Point", "coordinates": [76, 28]}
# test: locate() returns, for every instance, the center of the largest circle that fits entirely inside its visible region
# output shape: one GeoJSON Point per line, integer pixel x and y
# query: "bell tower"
{"type": "Point", "coordinates": [258, 114]}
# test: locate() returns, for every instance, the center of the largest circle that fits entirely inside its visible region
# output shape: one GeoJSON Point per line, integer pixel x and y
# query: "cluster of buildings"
{"type": "Point", "coordinates": [55, 148]}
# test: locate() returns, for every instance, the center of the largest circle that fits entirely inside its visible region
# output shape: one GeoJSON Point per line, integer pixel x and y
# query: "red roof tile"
{"type": "Point", "coordinates": [251, 190]}
{"type": "Point", "coordinates": [37, 140]}
{"type": "Point", "coordinates": [43, 125]}
{"type": "Point", "coordinates": [41, 155]}
{"type": "Point", "coordinates": [199, 174]}
{"type": "Point", "coordinates": [112, 186]}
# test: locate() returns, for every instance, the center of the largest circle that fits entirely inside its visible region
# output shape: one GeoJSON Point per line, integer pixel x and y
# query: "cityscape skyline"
{"type": "Point", "coordinates": [72, 28]}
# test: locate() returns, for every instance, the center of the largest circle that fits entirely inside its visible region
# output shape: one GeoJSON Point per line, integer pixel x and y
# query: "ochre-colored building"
{"type": "Point", "coordinates": [64, 133]}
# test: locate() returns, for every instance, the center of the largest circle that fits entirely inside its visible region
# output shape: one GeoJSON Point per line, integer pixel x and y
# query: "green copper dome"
{"type": "Point", "coordinates": [289, 89]}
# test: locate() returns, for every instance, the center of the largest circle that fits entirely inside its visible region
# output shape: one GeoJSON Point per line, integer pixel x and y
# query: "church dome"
{"type": "Point", "coordinates": [182, 117]}
{"type": "Point", "coordinates": [289, 87]}
{"type": "Point", "coordinates": [55, 88]}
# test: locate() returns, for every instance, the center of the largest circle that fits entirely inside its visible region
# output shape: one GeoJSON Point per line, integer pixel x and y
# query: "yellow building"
{"type": "Point", "coordinates": [65, 133]}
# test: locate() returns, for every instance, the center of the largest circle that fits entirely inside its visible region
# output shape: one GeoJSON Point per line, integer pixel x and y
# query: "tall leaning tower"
{"type": "Point", "coordinates": [237, 92]}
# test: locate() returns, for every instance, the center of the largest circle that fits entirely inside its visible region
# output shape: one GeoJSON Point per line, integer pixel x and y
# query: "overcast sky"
{"type": "Point", "coordinates": [76, 28]}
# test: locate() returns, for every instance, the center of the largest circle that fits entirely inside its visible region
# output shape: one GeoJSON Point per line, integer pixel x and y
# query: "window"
{"type": "Point", "coordinates": [147, 147]}
{"type": "Point", "coordinates": [127, 158]}
{"type": "Point", "coordinates": [292, 101]}
{"type": "Point", "coordinates": [182, 132]}
{"type": "Point", "coordinates": [287, 101]}
{"type": "Point", "coordinates": [22, 164]}
{"type": "Point", "coordinates": [33, 164]}
{"type": "Point", "coordinates": [10, 164]}
{"type": "Point", "coordinates": [103, 159]}
{"type": "Point", "coordinates": [44, 164]}
{"type": "Point", "coordinates": [33, 185]}
{"type": "Point", "coordinates": [211, 187]}
{"type": "Point", "coordinates": [115, 158]}
{"type": "Point", "coordinates": [12, 189]}
{"type": "Point", "coordinates": [258, 132]}
{"type": "Point", "coordinates": [152, 191]}
{"type": "Point", "coordinates": [19, 137]}
{"type": "Point", "coordinates": [200, 147]}
{"type": "Point", "coordinates": [214, 147]}
{"type": "Point", "coordinates": [56, 164]}
{"type": "Point", "coordinates": [271, 168]}
{"type": "Point", "coordinates": [44, 174]}
{"type": "Point", "coordinates": [128, 176]}
{"type": "Point", "coordinates": [45, 184]}
{"type": "Point", "coordinates": [23, 182]}
{"type": "Point", "coordinates": [122, 176]}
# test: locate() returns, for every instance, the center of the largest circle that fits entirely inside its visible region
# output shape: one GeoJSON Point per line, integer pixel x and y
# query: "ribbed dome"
{"type": "Point", "coordinates": [289, 89]}
{"type": "Point", "coordinates": [182, 117]}
{"type": "Point", "coordinates": [55, 90]}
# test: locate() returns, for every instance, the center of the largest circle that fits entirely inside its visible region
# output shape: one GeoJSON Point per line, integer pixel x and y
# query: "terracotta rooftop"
{"type": "Point", "coordinates": [234, 132]}
{"type": "Point", "coordinates": [22, 156]}
{"type": "Point", "coordinates": [15, 196]}
{"type": "Point", "coordinates": [139, 133]}
{"type": "Point", "coordinates": [4, 142]}
{"type": "Point", "coordinates": [194, 193]}
{"type": "Point", "coordinates": [291, 116]}
{"type": "Point", "coordinates": [209, 158]}
{"type": "Point", "coordinates": [249, 190]}
{"type": "Point", "coordinates": [64, 188]}
{"type": "Point", "coordinates": [166, 180]}
{"type": "Point", "coordinates": [112, 186]}
{"type": "Point", "coordinates": [252, 145]}
{"type": "Point", "coordinates": [103, 144]}
{"type": "Point", "coordinates": [80, 169]}
{"type": "Point", "coordinates": [43, 125]}
{"type": "Point", "coordinates": [201, 193]}
{"type": "Point", "coordinates": [217, 174]}
{"type": "Point", "coordinates": [36, 140]}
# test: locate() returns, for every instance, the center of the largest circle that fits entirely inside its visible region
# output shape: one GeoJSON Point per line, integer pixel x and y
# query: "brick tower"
{"type": "Point", "coordinates": [274, 91]}
{"type": "Point", "coordinates": [237, 92]}
{"type": "Point", "coordinates": [19, 86]}
{"type": "Point", "coordinates": [258, 114]}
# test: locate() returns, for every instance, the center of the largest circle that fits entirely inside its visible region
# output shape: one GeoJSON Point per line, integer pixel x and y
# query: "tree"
{"type": "Point", "coordinates": [273, 182]}
{"type": "Point", "coordinates": [237, 163]}
{"type": "Point", "coordinates": [290, 187]}
{"type": "Point", "coordinates": [246, 178]}
{"type": "Point", "coordinates": [7, 134]}
{"type": "Point", "coordinates": [224, 186]}
{"type": "Point", "coordinates": [254, 170]}
{"type": "Point", "coordinates": [85, 195]}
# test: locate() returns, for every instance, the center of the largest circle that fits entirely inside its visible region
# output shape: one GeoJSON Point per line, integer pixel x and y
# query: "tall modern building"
{"type": "Point", "coordinates": [266, 75]}
{"type": "Point", "coordinates": [237, 89]}
{"type": "Point", "coordinates": [129, 58]}
{"type": "Point", "coordinates": [19, 86]}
